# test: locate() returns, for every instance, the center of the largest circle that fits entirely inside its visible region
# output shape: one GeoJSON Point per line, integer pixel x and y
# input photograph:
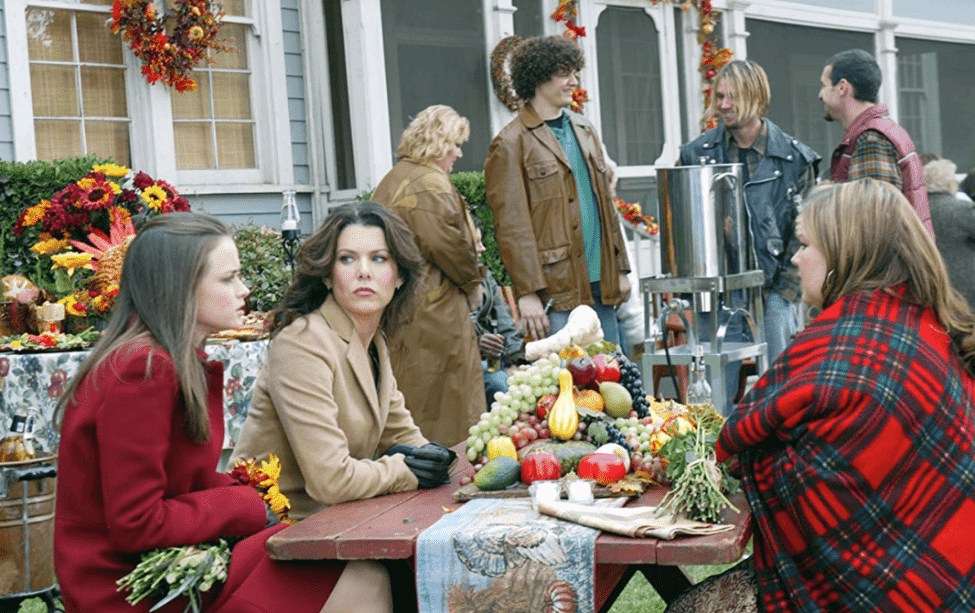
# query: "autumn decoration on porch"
{"type": "Point", "coordinates": [712, 56]}
{"type": "Point", "coordinates": [500, 79]}
{"type": "Point", "coordinates": [170, 57]}
{"type": "Point", "coordinates": [80, 235]}
{"type": "Point", "coordinates": [633, 214]}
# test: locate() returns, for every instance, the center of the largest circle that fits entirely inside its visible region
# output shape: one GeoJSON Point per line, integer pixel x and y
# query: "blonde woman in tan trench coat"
{"type": "Point", "coordinates": [435, 357]}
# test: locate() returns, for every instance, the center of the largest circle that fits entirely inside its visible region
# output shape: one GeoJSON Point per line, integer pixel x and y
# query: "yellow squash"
{"type": "Point", "coordinates": [563, 419]}
{"type": "Point", "coordinates": [501, 445]}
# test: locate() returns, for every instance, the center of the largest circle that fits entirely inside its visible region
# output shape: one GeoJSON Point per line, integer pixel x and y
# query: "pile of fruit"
{"type": "Point", "coordinates": [566, 413]}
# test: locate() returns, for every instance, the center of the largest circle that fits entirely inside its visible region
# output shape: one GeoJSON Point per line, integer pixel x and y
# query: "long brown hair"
{"type": "Point", "coordinates": [873, 240]}
{"type": "Point", "coordinates": [157, 302]}
{"type": "Point", "coordinates": [316, 258]}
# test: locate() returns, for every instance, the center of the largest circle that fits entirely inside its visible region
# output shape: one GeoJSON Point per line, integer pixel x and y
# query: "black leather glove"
{"type": "Point", "coordinates": [430, 463]}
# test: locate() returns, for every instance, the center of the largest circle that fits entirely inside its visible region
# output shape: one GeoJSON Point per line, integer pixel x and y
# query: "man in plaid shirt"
{"type": "Point", "coordinates": [873, 146]}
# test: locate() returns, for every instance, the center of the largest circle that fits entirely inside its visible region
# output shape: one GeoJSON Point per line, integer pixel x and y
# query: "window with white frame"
{"type": "Point", "coordinates": [936, 98]}
{"type": "Point", "coordinates": [87, 96]}
{"type": "Point", "coordinates": [214, 127]}
{"type": "Point", "coordinates": [77, 79]}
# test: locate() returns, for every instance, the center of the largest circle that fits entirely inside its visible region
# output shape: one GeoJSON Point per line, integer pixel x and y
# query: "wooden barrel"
{"type": "Point", "coordinates": [27, 526]}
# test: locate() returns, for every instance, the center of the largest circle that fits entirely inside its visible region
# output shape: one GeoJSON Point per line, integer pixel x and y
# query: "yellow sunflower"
{"type": "Point", "coordinates": [155, 197]}
{"type": "Point", "coordinates": [112, 170]}
{"type": "Point", "coordinates": [71, 261]}
{"type": "Point", "coordinates": [51, 245]}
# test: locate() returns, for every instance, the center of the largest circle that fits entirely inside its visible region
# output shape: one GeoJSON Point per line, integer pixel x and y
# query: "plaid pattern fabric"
{"type": "Point", "coordinates": [876, 157]}
{"type": "Point", "coordinates": [855, 452]}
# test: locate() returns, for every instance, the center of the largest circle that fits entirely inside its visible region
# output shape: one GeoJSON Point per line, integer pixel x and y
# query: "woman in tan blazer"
{"type": "Point", "coordinates": [326, 402]}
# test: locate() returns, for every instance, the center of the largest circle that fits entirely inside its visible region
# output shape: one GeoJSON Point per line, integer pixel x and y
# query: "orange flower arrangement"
{"type": "Point", "coordinates": [264, 479]}
{"type": "Point", "coordinates": [634, 214]}
{"type": "Point", "coordinates": [169, 57]}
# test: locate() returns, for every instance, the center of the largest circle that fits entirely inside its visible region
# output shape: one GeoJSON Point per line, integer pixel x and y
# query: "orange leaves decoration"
{"type": "Point", "coordinates": [713, 58]}
{"type": "Point", "coordinates": [264, 478]}
{"type": "Point", "coordinates": [169, 57]}
{"type": "Point", "coordinates": [634, 214]}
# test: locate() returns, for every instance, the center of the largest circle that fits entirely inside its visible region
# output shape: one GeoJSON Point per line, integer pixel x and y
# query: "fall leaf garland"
{"type": "Point", "coordinates": [169, 57]}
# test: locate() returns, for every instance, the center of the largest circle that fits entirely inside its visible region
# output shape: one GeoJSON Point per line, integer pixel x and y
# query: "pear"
{"type": "Point", "coordinates": [618, 401]}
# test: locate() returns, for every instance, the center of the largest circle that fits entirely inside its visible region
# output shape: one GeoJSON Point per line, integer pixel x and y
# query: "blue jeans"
{"type": "Point", "coordinates": [781, 321]}
{"type": "Point", "coordinates": [607, 318]}
{"type": "Point", "coordinates": [494, 381]}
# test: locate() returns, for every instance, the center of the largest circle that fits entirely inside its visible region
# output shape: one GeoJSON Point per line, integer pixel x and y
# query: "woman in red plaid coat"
{"type": "Point", "coordinates": [855, 448]}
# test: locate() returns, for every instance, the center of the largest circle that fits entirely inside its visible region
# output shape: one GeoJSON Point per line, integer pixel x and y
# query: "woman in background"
{"type": "Point", "coordinates": [436, 357]}
{"type": "Point", "coordinates": [141, 436]}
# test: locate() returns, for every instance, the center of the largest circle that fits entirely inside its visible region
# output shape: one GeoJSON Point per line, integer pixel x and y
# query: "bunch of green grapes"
{"type": "Point", "coordinates": [525, 386]}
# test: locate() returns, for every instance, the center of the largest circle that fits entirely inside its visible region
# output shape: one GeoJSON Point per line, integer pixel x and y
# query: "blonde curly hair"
{"type": "Point", "coordinates": [432, 133]}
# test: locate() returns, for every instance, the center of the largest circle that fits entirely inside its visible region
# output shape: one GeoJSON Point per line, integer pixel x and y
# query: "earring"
{"type": "Point", "coordinates": [829, 277]}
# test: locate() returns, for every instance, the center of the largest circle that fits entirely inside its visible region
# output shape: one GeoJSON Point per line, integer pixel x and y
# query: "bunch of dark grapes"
{"type": "Point", "coordinates": [613, 434]}
{"type": "Point", "coordinates": [632, 380]}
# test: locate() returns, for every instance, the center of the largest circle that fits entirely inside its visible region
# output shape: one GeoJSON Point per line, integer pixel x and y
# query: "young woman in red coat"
{"type": "Point", "coordinates": [141, 436]}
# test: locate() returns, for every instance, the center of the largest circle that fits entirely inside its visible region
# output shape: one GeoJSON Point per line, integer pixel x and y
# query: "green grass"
{"type": "Point", "coordinates": [639, 597]}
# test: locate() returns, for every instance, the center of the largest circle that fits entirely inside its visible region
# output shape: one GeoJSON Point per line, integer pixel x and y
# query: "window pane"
{"type": "Point", "coordinates": [49, 35]}
{"type": "Point", "coordinates": [962, 13]}
{"type": "Point", "coordinates": [103, 92]}
{"type": "Point", "coordinates": [793, 57]}
{"type": "Point", "coordinates": [528, 18]}
{"type": "Point", "coordinates": [339, 90]}
{"type": "Point", "coordinates": [235, 142]}
{"type": "Point", "coordinates": [237, 57]}
{"type": "Point", "coordinates": [866, 6]}
{"type": "Point", "coordinates": [235, 7]}
{"type": "Point", "coordinates": [194, 146]}
{"type": "Point", "coordinates": [629, 86]}
{"type": "Point", "coordinates": [100, 45]}
{"type": "Point", "coordinates": [936, 97]}
{"type": "Point", "coordinates": [435, 54]}
{"type": "Point", "coordinates": [231, 95]}
{"type": "Point", "coordinates": [54, 91]}
{"type": "Point", "coordinates": [57, 139]}
{"type": "Point", "coordinates": [193, 105]}
{"type": "Point", "coordinates": [109, 139]}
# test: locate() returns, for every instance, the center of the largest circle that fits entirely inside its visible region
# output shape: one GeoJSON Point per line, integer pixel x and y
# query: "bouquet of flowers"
{"type": "Point", "coordinates": [80, 235]}
{"type": "Point", "coordinates": [634, 214]}
{"type": "Point", "coordinates": [165, 574]}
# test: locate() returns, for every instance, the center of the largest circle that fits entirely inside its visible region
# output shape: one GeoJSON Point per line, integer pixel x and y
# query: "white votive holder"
{"type": "Point", "coordinates": [544, 491]}
{"type": "Point", "coordinates": [580, 491]}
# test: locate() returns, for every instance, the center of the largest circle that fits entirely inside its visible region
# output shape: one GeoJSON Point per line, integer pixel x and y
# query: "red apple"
{"type": "Point", "coordinates": [583, 370]}
{"type": "Point", "coordinates": [607, 367]}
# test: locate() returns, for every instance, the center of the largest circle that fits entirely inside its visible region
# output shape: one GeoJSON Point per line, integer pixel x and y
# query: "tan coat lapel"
{"type": "Point", "coordinates": [357, 357]}
{"type": "Point", "coordinates": [536, 127]}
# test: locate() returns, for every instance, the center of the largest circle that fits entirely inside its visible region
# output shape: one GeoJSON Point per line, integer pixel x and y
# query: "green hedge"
{"type": "Point", "coordinates": [471, 186]}
{"type": "Point", "coordinates": [24, 184]}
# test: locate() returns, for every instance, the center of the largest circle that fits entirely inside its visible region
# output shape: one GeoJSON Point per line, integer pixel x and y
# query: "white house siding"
{"type": "Point", "coordinates": [294, 69]}
{"type": "Point", "coordinates": [6, 123]}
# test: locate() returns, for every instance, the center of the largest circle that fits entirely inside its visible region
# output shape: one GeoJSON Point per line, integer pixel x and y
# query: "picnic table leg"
{"type": "Point", "coordinates": [611, 580]}
{"type": "Point", "coordinates": [669, 581]}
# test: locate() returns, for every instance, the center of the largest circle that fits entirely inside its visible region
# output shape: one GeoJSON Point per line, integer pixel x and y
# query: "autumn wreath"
{"type": "Point", "coordinates": [169, 57]}
{"type": "Point", "coordinates": [500, 78]}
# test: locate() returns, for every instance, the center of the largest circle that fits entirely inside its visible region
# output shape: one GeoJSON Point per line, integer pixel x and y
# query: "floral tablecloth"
{"type": "Point", "coordinates": [35, 381]}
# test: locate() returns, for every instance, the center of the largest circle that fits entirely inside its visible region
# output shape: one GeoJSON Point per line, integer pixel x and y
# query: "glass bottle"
{"type": "Point", "coordinates": [18, 445]}
{"type": "Point", "coordinates": [699, 390]}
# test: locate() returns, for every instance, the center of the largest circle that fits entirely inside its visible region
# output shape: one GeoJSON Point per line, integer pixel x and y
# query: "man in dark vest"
{"type": "Point", "coordinates": [873, 146]}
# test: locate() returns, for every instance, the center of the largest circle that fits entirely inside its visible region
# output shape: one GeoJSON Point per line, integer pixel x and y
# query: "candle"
{"type": "Point", "coordinates": [580, 491]}
{"type": "Point", "coordinates": [544, 491]}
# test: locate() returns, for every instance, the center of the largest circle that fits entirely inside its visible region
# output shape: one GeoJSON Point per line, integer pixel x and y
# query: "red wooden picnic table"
{"type": "Point", "coordinates": [387, 527]}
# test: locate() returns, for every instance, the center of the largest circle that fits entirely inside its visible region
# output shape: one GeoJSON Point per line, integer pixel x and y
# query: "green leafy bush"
{"type": "Point", "coordinates": [471, 187]}
{"type": "Point", "coordinates": [24, 184]}
{"type": "Point", "coordinates": [263, 266]}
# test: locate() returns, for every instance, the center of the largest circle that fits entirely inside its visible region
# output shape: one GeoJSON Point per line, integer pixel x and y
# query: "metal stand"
{"type": "Point", "coordinates": [717, 353]}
